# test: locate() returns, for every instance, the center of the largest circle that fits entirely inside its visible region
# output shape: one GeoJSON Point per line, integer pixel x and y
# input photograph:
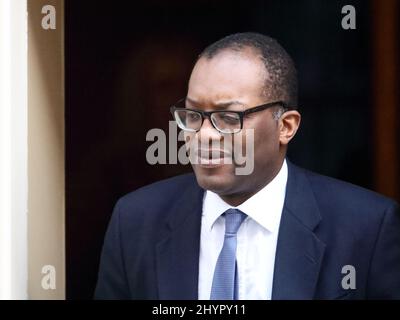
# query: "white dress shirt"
{"type": "Point", "coordinates": [256, 239]}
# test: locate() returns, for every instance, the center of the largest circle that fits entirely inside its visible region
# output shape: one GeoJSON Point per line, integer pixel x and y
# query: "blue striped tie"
{"type": "Point", "coordinates": [224, 286]}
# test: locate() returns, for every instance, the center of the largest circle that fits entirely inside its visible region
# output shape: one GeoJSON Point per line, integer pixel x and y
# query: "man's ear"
{"type": "Point", "coordinates": [289, 122]}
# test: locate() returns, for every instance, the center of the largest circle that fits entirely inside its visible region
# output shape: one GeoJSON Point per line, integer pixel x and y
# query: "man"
{"type": "Point", "coordinates": [280, 232]}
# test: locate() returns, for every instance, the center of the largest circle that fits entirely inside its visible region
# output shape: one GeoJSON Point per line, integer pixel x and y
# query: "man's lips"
{"type": "Point", "coordinates": [212, 158]}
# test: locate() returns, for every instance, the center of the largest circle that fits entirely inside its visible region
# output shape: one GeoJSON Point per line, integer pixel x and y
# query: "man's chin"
{"type": "Point", "coordinates": [216, 179]}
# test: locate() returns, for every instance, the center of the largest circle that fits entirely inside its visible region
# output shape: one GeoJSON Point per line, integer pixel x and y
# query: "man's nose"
{"type": "Point", "coordinates": [207, 131]}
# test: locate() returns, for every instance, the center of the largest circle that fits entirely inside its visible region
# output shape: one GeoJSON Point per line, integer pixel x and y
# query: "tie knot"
{"type": "Point", "coordinates": [233, 220]}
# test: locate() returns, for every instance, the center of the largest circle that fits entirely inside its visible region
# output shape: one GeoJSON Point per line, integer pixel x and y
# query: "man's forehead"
{"type": "Point", "coordinates": [215, 102]}
{"type": "Point", "coordinates": [226, 79]}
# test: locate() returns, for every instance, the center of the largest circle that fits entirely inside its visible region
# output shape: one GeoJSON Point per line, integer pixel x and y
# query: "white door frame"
{"type": "Point", "coordinates": [13, 149]}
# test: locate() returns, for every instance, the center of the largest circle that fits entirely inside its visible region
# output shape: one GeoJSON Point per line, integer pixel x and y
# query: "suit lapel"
{"type": "Point", "coordinates": [299, 252]}
{"type": "Point", "coordinates": [177, 253]}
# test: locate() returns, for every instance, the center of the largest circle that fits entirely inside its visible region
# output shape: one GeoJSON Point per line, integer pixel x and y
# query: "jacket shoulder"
{"type": "Point", "coordinates": [344, 195]}
{"type": "Point", "coordinates": [158, 192]}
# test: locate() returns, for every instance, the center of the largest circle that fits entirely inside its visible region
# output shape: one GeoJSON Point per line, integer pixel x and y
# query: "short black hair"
{"type": "Point", "coordinates": [282, 81]}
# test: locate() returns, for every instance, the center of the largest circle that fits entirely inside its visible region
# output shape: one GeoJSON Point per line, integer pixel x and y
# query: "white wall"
{"type": "Point", "coordinates": [32, 188]}
{"type": "Point", "coordinates": [13, 149]}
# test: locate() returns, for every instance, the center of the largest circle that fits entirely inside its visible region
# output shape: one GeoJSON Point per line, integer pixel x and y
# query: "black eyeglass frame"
{"type": "Point", "coordinates": [241, 114]}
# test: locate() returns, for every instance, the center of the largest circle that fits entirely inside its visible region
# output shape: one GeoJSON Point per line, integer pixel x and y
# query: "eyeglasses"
{"type": "Point", "coordinates": [223, 121]}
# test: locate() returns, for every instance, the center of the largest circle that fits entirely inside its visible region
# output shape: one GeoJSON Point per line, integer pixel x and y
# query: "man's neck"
{"type": "Point", "coordinates": [238, 198]}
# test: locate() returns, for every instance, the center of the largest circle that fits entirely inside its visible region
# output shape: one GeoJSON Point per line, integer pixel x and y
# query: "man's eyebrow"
{"type": "Point", "coordinates": [221, 105]}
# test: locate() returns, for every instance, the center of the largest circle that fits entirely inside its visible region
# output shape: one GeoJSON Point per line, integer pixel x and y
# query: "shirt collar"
{"type": "Point", "coordinates": [265, 207]}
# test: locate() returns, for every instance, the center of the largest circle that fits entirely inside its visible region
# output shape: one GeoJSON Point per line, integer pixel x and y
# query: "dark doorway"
{"type": "Point", "coordinates": [127, 63]}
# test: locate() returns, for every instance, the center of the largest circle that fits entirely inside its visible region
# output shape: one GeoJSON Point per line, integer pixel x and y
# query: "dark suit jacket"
{"type": "Point", "coordinates": [151, 249]}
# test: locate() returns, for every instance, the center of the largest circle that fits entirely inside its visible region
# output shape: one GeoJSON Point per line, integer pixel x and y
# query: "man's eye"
{"type": "Point", "coordinates": [229, 118]}
{"type": "Point", "coordinates": [193, 116]}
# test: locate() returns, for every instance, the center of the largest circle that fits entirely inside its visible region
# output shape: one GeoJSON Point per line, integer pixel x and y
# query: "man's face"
{"type": "Point", "coordinates": [231, 76]}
